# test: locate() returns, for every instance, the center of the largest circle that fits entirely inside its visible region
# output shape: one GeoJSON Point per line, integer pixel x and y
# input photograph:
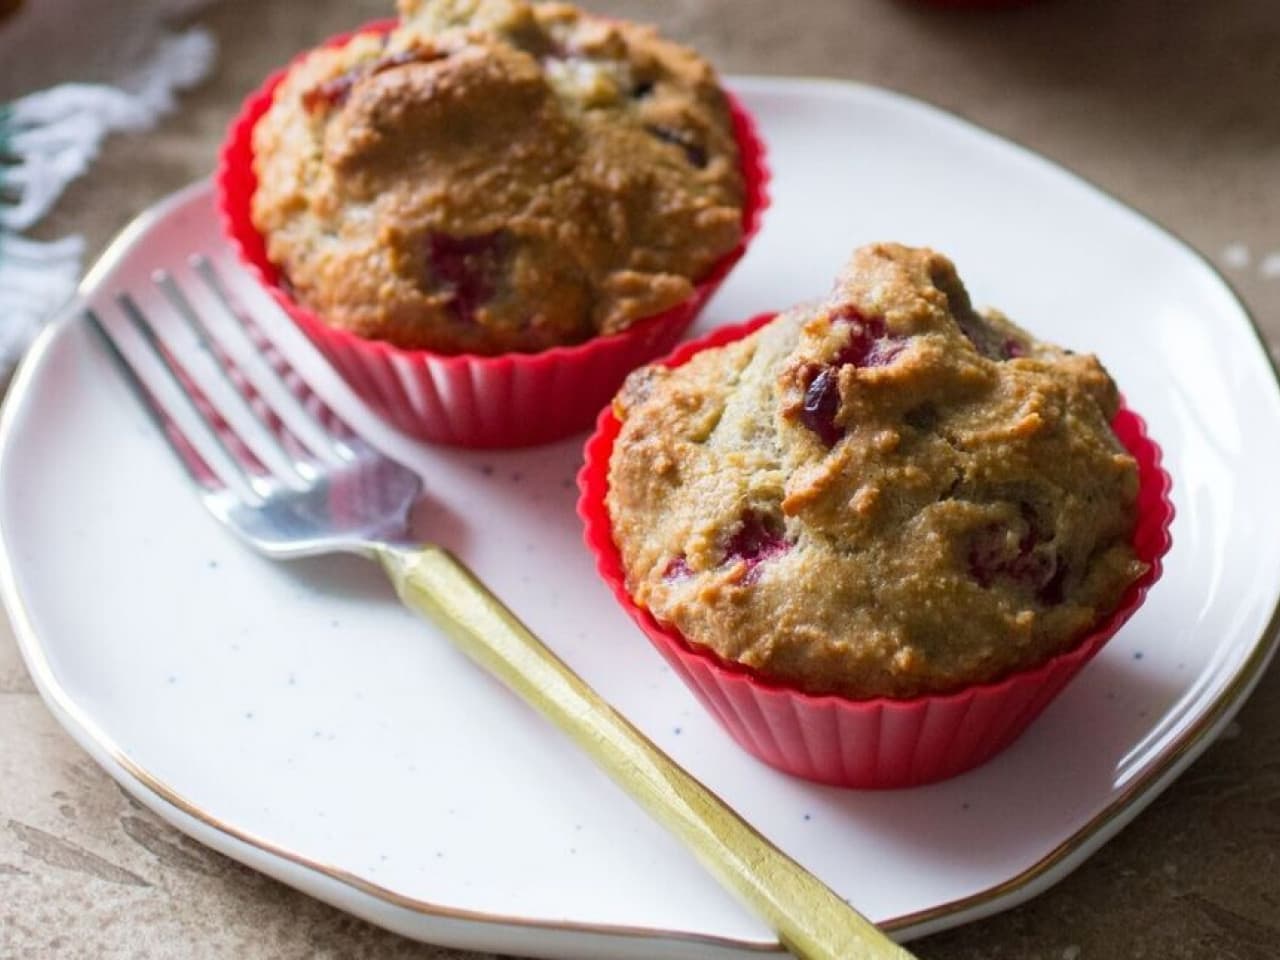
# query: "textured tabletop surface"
{"type": "Point", "coordinates": [1173, 106]}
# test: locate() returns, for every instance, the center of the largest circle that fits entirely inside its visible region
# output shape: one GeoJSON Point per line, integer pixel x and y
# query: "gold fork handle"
{"type": "Point", "coordinates": [810, 920]}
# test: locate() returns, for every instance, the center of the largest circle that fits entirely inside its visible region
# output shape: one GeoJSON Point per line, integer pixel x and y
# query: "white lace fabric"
{"type": "Point", "coordinates": [50, 137]}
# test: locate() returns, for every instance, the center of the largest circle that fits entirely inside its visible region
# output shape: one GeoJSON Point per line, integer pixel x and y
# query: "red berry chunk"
{"type": "Point", "coordinates": [677, 569]}
{"type": "Point", "coordinates": [759, 538]}
{"type": "Point", "coordinates": [469, 268]}
{"type": "Point", "coordinates": [988, 342]}
{"type": "Point", "coordinates": [404, 57]}
{"type": "Point", "coordinates": [694, 152]}
{"type": "Point", "coordinates": [334, 93]}
{"type": "Point", "coordinates": [1012, 348]}
{"type": "Point", "coordinates": [870, 345]}
{"type": "Point", "coordinates": [993, 556]}
{"type": "Point", "coordinates": [331, 93]}
{"type": "Point", "coordinates": [821, 404]}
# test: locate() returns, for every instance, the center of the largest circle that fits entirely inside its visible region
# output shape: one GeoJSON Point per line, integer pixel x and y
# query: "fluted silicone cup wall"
{"type": "Point", "coordinates": [509, 400]}
{"type": "Point", "coordinates": [880, 742]}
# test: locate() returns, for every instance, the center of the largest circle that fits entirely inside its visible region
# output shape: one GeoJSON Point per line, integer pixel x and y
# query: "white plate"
{"type": "Point", "coordinates": [298, 719]}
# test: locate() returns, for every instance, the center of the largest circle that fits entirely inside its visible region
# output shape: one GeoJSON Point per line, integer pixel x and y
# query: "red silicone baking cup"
{"type": "Point", "coordinates": [881, 742]}
{"type": "Point", "coordinates": [510, 400]}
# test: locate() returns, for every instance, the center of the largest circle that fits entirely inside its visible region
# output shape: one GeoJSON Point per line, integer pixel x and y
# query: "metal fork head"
{"type": "Point", "coordinates": [269, 460]}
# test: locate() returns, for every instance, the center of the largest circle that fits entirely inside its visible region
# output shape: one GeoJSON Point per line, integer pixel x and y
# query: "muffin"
{"type": "Point", "coordinates": [887, 494]}
{"type": "Point", "coordinates": [497, 176]}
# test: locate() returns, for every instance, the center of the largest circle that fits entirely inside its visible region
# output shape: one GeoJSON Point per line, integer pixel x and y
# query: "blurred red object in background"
{"type": "Point", "coordinates": [972, 4]}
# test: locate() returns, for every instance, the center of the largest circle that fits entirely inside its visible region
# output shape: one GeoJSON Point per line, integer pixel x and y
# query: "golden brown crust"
{"type": "Point", "coordinates": [883, 494]}
{"type": "Point", "coordinates": [496, 176]}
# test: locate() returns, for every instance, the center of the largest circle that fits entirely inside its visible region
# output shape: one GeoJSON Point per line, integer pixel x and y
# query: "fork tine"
{"type": "Point", "coordinates": [174, 374]}
{"type": "Point", "coordinates": [149, 403]}
{"type": "Point", "coordinates": [342, 446]}
{"type": "Point", "coordinates": [205, 338]}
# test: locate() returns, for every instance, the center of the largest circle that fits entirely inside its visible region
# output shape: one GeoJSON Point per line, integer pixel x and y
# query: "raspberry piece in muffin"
{"type": "Point", "coordinates": [926, 497]}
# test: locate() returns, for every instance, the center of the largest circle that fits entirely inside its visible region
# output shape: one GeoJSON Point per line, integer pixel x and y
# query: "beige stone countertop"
{"type": "Point", "coordinates": [1172, 105]}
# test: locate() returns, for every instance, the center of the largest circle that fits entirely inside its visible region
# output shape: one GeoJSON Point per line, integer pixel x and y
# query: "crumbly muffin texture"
{"type": "Point", "coordinates": [497, 176]}
{"type": "Point", "coordinates": [885, 494]}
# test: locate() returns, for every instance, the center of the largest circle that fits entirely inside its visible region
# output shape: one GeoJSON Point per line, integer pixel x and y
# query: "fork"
{"type": "Point", "coordinates": [291, 480]}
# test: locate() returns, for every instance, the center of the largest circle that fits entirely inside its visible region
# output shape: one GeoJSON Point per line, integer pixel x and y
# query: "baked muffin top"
{"type": "Point", "coordinates": [497, 176]}
{"type": "Point", "coordinates": [886, 493]}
